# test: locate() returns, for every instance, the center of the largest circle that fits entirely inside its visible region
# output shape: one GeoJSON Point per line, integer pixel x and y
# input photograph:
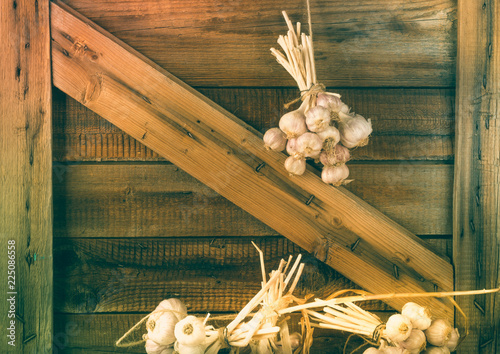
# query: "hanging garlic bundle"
{"type": "Point", "coordinates": [322, 121]}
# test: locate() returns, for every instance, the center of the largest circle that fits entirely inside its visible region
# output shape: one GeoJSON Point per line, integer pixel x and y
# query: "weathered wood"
{"type": "Point", "coordinates": [357, 43]}
{"type": "Point", "coordinates": [209, 274]}
{"type": "Point", "coordinates": [223, 152]}
{"type": "Point", "coordinates": [409, 124]}
{"type": "Point", "coordinates": [145, 200]}
{"type": "Point", "coordinates": [80, 334]}
{"type": "Point", "coordinates": [476, 215]}
{"type": "Point", "coordinates": [25, 176]}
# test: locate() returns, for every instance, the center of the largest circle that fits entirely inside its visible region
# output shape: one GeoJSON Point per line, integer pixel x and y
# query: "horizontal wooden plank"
{"type": "Point", "coordinates": [223, 152]}
{"type": "Point", "coordinates": [208, 274]}
{"type": "Point", "coordinates": [357, 43]}
{"type": "Point", "coordinates": [97, 333]}
{"type": "Point", "coordinates": [409, 124]}
{"type": "Point", "coordinates": [143, 200]}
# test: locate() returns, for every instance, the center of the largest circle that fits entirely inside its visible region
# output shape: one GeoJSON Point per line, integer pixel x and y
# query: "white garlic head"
{"type": "Point", "coordinates": [398, 328]}
{"type": "Point", "coordinates": [420, 316]}
{"type": "Point", "coordinates": [274, 139]}
{"type": "Point", "coordinates": [154, 348]}
{"type": "Point", "coordinates": [160, 325]}
{"type": "Point", "coordinates": [295, 340]}
{"type": "Point", "coordinates": [372, 350]}
{"type": "Point", "coordinates": [454, 338]}
{"type": "Point", "coordinates": [354, 130]}
{"type": "Point", "coordinates": [335, 174]}
{"type": "Point", "coordinates": [415, 342]}
{"type": "Point", "coordinates": [187, 349]}
{"type": "Point", "coordinates": [293, 124]}
{"type": "Point", "coordinates": [317, 118]}
{"type": "Point", "coordinates": [294, 166]}
{"type": "Point", "coordinates": [333, 103]}
{"type": "Point", "coordinates": [309, 144]}
{"type": "Point", "coordinates": [190, 331]}
{"type": "Point", "coordinates": [439, 332]}
{"type": "Point", "coordinates": [292, 150]}
{"type": "Point", "coordinates": [395, 350]}
{"type": "Point", "coordinates": [330, 137]}
{"type": "Point", "coordinates": [437, 350]}
{"type": "Point", "coordinates": [339, 155]}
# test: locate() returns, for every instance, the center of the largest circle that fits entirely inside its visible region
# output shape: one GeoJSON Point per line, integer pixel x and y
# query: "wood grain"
{"type": "Point", "coordinates": [80, 334]}
{"type": "Point", "coordinates": [25, 175]}
{"type": "Point", "coordinates": [224, 152]}
{"type": "Point", "coordinates": [357, 43]}
{"type": "Point", "coordinates": [145, 200]}
{"type": "Point", "coordinates": [409, 124]}
{"type": "Point", "coordinates": [209, 274]}
{"type": "Point", "coordinates": [476, 215]}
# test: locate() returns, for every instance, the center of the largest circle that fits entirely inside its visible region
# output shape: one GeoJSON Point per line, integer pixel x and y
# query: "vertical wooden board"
{"type": "Point", "coordinates": [25, 176]}
{"type": "Point", "coordinates": [476, 219]}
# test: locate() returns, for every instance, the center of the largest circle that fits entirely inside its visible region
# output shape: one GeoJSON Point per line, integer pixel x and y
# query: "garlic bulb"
{"type": "Point", "coordinates": [419, 316]}
{"type": "Point", "coordinates": [395, 350]}
{"type": "Point", "coordinates": [309, 144]}
{"type": "Point", "coordinates": [339, 155]}
{"type": "Point", "coordinates": [154, 348]}
{"type": "Point", "coordinates": [275, 139]}
{"type": "Point", "coordinates": [190, 331]}
{"type": "Point", "coordinates": [291, 149]}
{"type": "Point", "coordinates": [187, 349]}
{"type": "Point", "coordinates": [439, 332]}
{"type": "Point", "coordinates": [335, 174]}
{"type": "Point", "coordinates": [295, 340]}
{"type": "Point", "coordinates": [293, 124]}
{"type": "Point", "coordinates": [372, 350]}
{"type": "Point", "coordinates": [317, 118]}
{"type": "Point", "coordinates": [160, 325]}
{"type": "Point", "coordinates": [333, 103]}
{"type": "Point", "coordinates": [415, 342]}
{"type": "Point", "coordinates": [295, 166]}
{"type": "Point", "coordinates": [453, 342]}
{"type": "Point", "coordinates": [354, 130]}
{"type": "Point", "coordinates": [398, 328]}
{"type": "Point", "coordinates": [330, 137]}
{"type": "Point", "coordinates": [437, 350]}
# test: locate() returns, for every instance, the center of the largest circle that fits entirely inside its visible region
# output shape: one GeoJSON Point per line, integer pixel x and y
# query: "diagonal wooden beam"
{"type": "Point", "coordinates": [226, 154]}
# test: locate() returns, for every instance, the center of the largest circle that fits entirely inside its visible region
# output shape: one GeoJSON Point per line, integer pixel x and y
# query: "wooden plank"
{"type": "Point", "coordinates": [357, 43]}
{"type": "Point", "coordinates": [223, 152]}
{"type": "Point", "coordinates": [25, 177]}
{"type": "Point", "coordinates": [476, 215]}
{"type": "Point", "coordinates": [144, 200]}
{"type": "Point", "coordinates": [409, 124]}
{"type": "Point", "coordinates": [79, 334]}
{"type": "Point", "coordinates": [208, 274]}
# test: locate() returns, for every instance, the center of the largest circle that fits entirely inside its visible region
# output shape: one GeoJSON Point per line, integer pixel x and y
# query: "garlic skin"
{"type": "Point", "coordinates": [187, 349]}
{"type": "Point", "coordinates": [190, 332]}
{"type": "Point", "coordinates": [309, 144]}
{"type": "Point", "coordinates": [293, 124]}
{"type": "Point", "coordinates": [333, 103]}
{"type": "Point", "coordinates": [416, 342]}
{"type": "Point", "coordinates": [335, 174]}
{"type": "Point", "coordinates": [330, 137]}
{"type": "Point", "coordinates": [398, 328]}
{"type": "Point", "coordinates": [354, 130]}
{"type": "Point", "coordinates": [437, 350]}
{"type": "Point", "coordinates": [439, 332]}
{"type": "Point", "coordinates": [453, 342]}
{"type": "Point", "coordinates": [317, 118]}
{"type": "Point", "coordinates": [372, 350]}
{"type": "Point", "coordinates": [339, 155]}
{"type": "Point", "coordinates": [292, 149]}
{"type": "Point", "coordinates": [274, 139]}
{"type": "Point", "coordinates": [294, 166]}
{"type": "Point", "coordinates": [395, 350]}
{"type": "Point", "coordinates": [154, 348]}
{"type": "Point", "coordinates": [160, 325]}
{"type": "Point", "coordinates": [419, 316]}
{"type": "Point", "coordinates": [295, 340]}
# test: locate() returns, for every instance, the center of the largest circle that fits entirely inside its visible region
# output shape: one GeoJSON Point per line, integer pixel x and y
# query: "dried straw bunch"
{"type": "Point", "coordinates": [322, 128]}
{"type": "Point", "coordinates": [258, 325]}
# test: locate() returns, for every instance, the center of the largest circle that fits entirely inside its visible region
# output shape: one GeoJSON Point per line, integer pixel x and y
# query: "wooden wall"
{"type": "Point", "coordinates": [132, 229]}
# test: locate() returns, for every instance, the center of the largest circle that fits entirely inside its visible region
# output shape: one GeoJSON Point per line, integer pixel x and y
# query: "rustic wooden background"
{"type": "Point", "coordinates": [132, 229]}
